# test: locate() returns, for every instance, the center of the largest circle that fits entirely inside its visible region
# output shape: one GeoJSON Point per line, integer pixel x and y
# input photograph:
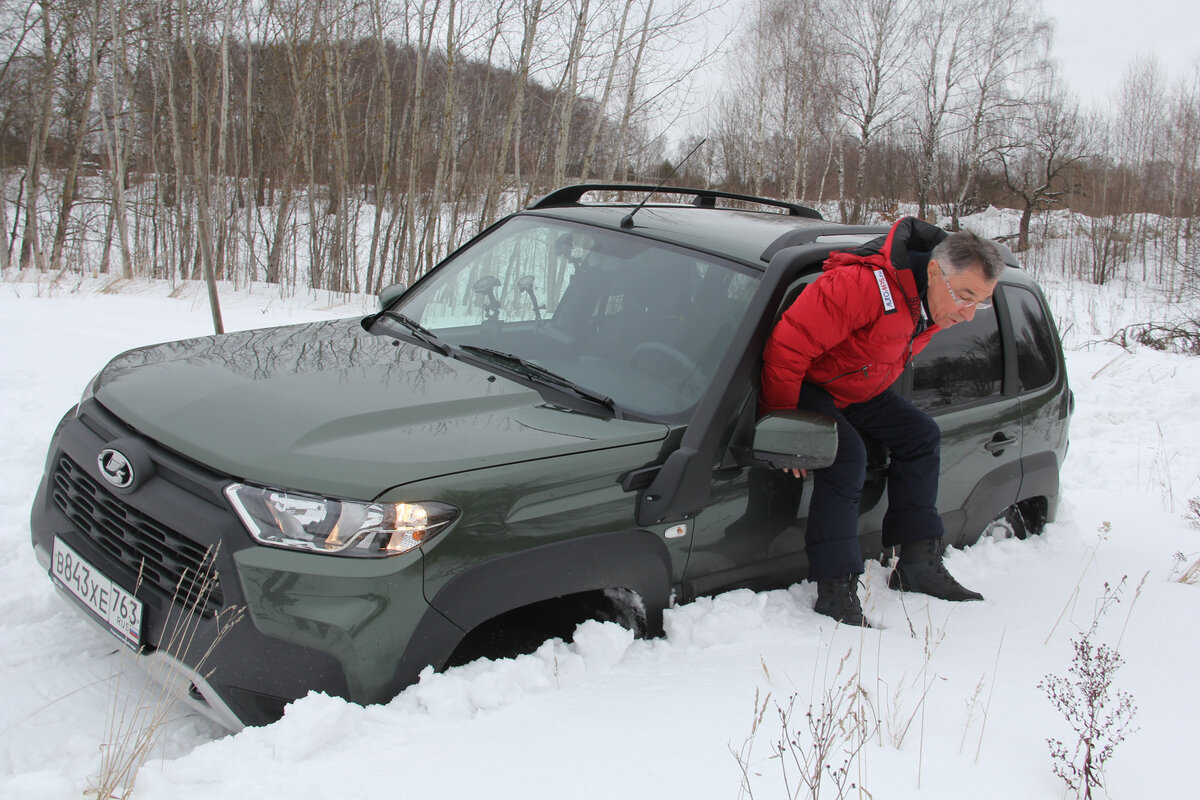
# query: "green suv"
{"type": "Point", "coordinates": [560, 415]}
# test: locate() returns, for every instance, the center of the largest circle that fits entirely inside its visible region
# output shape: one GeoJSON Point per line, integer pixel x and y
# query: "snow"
{"type": "Point", "coordinates": [952, 687]}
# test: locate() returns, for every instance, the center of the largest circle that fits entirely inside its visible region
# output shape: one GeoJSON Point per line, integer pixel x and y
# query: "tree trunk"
{"type": "Point", "coordinates": [515, 109]}
{"type": "Point", "coordinates": [70, 178]}
{"type": "Point", "coordinates": [630, 97]}
{"type": "Point", "coordinates": [437, 195]}
{"type": "Point", "coordinates": [31, 250]}
{"type": "Point", "coordinates": [1023, 230]}
{"type": "Point", "coordinates": [609, 77]}
{"type": "Point", "coordinates": [200, 151]}
{"type": "Point", "coordinates": [570, 90]}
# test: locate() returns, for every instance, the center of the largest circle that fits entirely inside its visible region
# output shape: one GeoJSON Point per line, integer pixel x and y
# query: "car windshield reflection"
{"type": "Point", "coordinates": [641, 322]}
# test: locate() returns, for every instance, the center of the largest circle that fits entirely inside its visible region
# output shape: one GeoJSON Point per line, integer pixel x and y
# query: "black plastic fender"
{"type": "Point", "coordinates": [635, 559]}
{"type": "Point", "coordinates": [1040, 478]}
{"type": "Point", "coordinates": [993, 493]}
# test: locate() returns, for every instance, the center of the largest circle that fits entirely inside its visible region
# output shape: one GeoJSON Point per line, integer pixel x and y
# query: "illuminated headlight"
{"type": "Point", "coordinates": [337, 527]}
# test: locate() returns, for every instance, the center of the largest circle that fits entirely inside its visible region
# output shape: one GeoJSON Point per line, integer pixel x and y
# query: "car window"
{"type": "Point", "coordinates": [1036, 351]}
{"type": "Point", "coordinates": [642, 322]}
{"type": "Point", "coordinates": [961, 364]}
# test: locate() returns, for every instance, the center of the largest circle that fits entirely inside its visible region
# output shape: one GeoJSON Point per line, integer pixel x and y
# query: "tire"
{"type": "Point", "coordinates": [1009, 524]}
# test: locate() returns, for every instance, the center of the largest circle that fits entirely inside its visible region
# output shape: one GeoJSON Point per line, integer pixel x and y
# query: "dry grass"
{"type": "Point", "coordinates": [135, 719]}
{"type": "Point", "coordinates": [1099, 715]}
{"type": "Point", "coordinates": [819, 743]}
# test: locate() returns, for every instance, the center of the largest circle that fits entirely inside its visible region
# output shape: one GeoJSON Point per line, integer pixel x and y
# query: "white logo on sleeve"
{"type": "Point", "coordinates": [885, 291]}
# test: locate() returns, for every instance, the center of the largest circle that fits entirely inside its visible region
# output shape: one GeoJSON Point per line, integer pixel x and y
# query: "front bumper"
{"type": "Point", "coordinates": [311, 623]}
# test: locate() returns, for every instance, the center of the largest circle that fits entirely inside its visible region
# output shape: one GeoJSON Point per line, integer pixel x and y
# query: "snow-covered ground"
{"type": "Point", "coordinates": [951, 691]}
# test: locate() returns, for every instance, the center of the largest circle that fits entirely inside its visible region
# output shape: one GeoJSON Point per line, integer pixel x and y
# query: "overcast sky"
{"type": "Point", "coordinates": [1095, 40]}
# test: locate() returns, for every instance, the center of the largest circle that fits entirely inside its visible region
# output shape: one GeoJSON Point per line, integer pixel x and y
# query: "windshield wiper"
{"type": "Point", "coordinates": [537, 372]}
{"type": "Point", "coordinates": [417, 331]}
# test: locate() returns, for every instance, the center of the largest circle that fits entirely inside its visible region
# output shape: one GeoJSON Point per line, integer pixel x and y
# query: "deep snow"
{"type": "Point", "coordinates": [608, 716]}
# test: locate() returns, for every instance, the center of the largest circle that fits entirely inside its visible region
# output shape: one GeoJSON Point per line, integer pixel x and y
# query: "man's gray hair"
{"type": "Point", "coordinates": [964, 250]}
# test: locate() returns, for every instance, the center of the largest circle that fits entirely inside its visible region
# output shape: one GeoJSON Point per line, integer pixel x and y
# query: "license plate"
{"type": "Point", "coordinates": [119, 610]}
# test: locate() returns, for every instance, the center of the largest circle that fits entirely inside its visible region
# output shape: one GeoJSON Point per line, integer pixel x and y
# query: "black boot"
{"type": "Point", "coordinates": [838, 598]}
{"type": "Point", "coordinates": [920, 569]}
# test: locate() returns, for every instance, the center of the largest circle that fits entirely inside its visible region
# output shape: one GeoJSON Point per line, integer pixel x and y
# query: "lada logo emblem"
{"type": "Point", "coordinates": [115, 468]}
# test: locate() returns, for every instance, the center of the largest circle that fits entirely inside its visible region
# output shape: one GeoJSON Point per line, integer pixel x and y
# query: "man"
{"type": "Point", "coordinates": [837, 350]}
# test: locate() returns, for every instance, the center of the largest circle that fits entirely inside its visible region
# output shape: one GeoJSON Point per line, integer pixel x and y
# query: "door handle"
{"type": "Point", "coordinates": [999, 442]}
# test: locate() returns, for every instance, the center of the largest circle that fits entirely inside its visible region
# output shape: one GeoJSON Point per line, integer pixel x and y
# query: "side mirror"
{"type": "Point", "coordinates": [793, 440]}
{"type": "Point", "coordinates": [389, 294]}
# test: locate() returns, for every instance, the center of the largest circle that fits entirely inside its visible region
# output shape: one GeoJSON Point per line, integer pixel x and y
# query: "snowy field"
{"type": "Point", "coordinates": [950, 691]}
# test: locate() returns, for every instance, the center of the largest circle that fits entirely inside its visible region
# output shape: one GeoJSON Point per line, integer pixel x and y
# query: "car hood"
{"type": "Point", "coordinates": [332, 409]}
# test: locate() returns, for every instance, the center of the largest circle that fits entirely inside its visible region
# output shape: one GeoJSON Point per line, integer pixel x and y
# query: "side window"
{"type": "Point", "coordinates": [1036, 352]}
{"type": "Point", "coordinates": [961, 364]}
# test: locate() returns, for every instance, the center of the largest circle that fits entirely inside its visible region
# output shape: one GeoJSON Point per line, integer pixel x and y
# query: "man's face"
{"type": "Point", "coordinates": [952, 299]}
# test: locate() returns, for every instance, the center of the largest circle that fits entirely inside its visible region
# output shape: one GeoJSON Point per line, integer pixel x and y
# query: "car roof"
{"type": "Point", "coordinates": [742, 235]}
{"type": "Point", "coordinates": [746, 235]}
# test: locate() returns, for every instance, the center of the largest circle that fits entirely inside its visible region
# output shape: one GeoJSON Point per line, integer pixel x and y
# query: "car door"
{"type": "Point", "coordinates": [751, 534]}
{"type": "Point", "coordinates": [1042, 386]}
{"type": "Point", "coordinates": [963, 381]}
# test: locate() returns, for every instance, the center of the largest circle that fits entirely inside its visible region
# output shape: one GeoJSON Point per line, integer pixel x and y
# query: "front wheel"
{"type": "Point", "coordinates": [1009, 524]}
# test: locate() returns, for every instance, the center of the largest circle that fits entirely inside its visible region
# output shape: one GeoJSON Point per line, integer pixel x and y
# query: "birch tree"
{"type": "Point", "coordinates": [531, 16]}
{"type": "Point", "coordinates": [940, 69]}
{"type": "Point", "coordinates": [1009, 52]}
{"type": "Point", "coordinates": [873, 40]}
{"type": "Point", "coordinates": [56, 22]}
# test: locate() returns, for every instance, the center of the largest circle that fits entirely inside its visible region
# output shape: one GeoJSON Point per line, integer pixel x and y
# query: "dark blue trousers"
{"type": "Point", "coordinates": [913, 439]}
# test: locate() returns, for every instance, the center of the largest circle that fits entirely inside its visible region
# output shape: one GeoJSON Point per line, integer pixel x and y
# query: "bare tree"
{"type": "Point", "coordinates": [940, 69]}
{"type": "Point", "coordinates": [87, 44]}
{"type": "Point", "coordinates": [617, 49]}
{"type": "Point", "coordinates": [1139, 144]}
{"type": "Point", "coordinates": [201, 144]}
{"type": "Point", "coordinates": [1010, 51]}
{"type": "Point", "coordinates": [1183, 148]}
{"type": "Point", "coordinates": [805, 62]}
{"type": "Point", "coordinates": [581, 11]}
{"type": "Point", "coordinates": [57, 21]}
{"type": "Point", "coordinates": [532, 12]}
{"type": "Point", "coordinates": [1041, 151]}
{"type": "Point", "coordinates": [426, 20]}
{"type": "Point", "coordinates": [873, 46]}
{"type": "Point", "coordinates": [18, 22]}
{"type": "Point", "coordinates": [113, 120]}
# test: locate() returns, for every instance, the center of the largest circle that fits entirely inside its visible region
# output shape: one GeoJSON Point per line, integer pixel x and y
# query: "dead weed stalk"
{"type": "Point", "coordinates": [1099, 716]}
{"type": "Point", "coordinates": [135, 723]}
{"type": "Point", "coordinates": [819, 742]}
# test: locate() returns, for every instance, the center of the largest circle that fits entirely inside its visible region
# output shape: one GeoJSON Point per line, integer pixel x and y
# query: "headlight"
{"type": "Point", "coordinates": [89, 391]}
{"type": "Point", "coordinates": [337, 527]}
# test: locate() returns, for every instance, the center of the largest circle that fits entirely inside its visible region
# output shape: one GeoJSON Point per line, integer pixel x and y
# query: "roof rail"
{"type": "Point", "coordinates": [701, 198]}
{"type": "Point", "coordinates": [811, 235]}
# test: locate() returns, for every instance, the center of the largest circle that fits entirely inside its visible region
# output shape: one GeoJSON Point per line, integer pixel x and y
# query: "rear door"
{"type": "Point", "coordinates": [963, 380]}
{"type": "Point", "coordinates": [1042, 386]}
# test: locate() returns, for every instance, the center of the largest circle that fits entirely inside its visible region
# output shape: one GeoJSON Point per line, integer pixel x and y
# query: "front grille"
{"type": "Point", "coordinates": [170, 563]}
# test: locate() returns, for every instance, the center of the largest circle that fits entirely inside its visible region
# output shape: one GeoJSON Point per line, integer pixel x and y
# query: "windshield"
{"type": "Point", "coordinates": [641, 322]}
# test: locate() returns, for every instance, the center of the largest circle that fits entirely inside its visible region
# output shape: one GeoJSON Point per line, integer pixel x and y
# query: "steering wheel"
{"type": "Point", "coordinates": [655, 357]}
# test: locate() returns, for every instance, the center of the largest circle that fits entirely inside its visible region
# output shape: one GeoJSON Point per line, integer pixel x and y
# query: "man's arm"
{"type": "Point", "coordinates": [824, 315]}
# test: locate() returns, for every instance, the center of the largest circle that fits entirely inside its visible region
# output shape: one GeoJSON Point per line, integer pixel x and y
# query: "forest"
{"type": "Point", "coordinates": [349, 145]}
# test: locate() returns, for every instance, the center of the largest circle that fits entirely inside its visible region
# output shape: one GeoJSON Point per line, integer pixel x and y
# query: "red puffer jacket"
{"type": "Point", "coordinates": [856, 327]}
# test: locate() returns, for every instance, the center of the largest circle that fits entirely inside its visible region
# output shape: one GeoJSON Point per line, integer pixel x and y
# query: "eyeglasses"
{"type": "Point", "coordinates": [978, 305]}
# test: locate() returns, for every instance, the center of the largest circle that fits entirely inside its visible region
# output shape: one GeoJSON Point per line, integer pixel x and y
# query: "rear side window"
{"type": "Point", "coordinates": [960, 365]}
{"type": "Point", "coordinates": [1036, 352]}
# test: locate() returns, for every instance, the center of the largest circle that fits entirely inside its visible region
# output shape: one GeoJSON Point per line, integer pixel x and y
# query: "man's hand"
{"type": "Point", "coordinates": [797, 473]}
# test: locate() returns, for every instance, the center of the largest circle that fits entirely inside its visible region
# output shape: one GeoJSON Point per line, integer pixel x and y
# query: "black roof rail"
{"type": "Point", "coordinates": [811, 235]}
{"type": "Point", "coordinates": [802, 236]}
{"type": "Point", "coordinates": [701, 198]}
